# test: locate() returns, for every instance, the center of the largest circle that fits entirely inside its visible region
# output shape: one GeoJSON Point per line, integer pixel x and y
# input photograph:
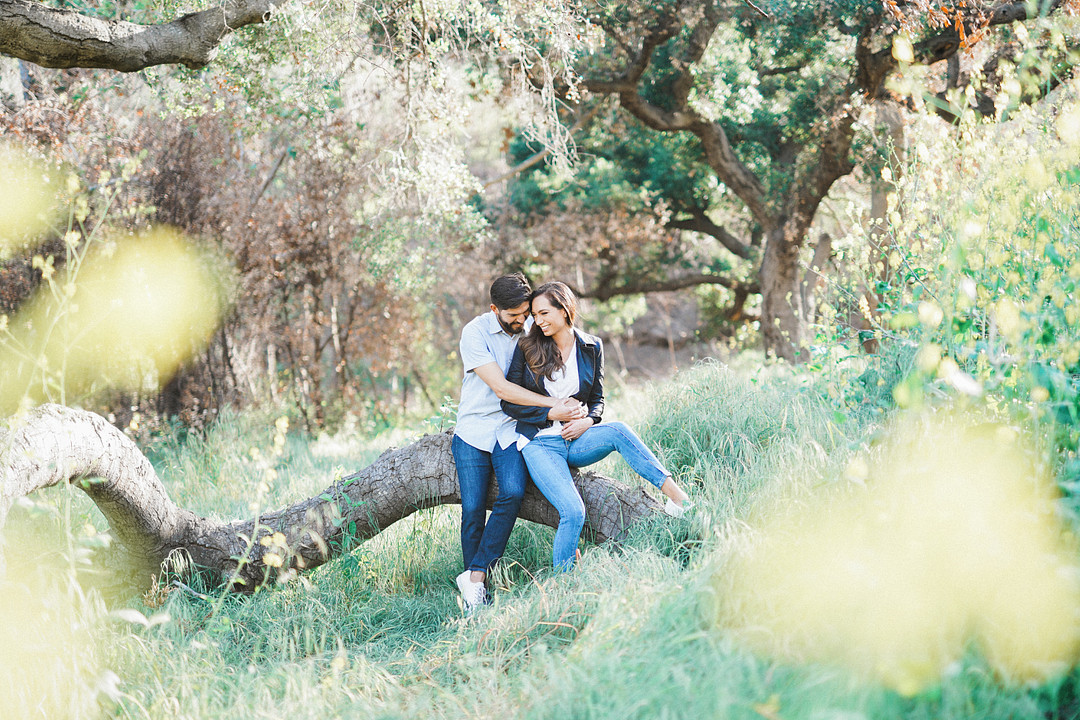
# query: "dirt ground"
{"type": "Point", "coordinates": [638, 363]}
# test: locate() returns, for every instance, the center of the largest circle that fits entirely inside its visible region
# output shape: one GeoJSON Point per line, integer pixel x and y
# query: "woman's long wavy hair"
{"type": "Point", "coordinates": [541, 354]}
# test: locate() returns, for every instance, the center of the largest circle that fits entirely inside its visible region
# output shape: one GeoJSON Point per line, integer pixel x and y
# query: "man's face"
{"type": "Point", "coordinates": [512, 320]}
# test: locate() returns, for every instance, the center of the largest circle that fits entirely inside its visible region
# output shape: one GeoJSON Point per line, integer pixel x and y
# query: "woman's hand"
{"type": "Point", "coordinates": [567, 409]}
{"type": "Point", "coordinates": [573, 429]}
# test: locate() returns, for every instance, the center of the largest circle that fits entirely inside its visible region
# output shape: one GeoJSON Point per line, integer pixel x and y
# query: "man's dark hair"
{"type": "Point", "coordinates": [510, 291]}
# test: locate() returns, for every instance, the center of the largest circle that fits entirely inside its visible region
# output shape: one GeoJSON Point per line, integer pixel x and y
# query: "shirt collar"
{"type": "Point", "coordinates": [584, 338]}
{"type": "Point", "coordinates": [494, 326]}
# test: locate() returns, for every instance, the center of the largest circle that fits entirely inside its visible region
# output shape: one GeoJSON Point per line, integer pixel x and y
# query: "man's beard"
{"type": "Point", "coordinates": [510, 328]}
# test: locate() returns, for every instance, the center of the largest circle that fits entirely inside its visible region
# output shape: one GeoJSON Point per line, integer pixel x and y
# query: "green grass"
{"type": "Point", "coordinates": [632, 633]}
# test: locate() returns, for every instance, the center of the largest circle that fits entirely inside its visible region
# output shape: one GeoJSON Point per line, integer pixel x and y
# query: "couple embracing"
{"type": "Point", "coordinates": [531, 404]}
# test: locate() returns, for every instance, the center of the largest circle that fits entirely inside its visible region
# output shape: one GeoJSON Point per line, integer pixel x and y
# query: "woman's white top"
{"type": "Point", "coordinates": [562, 384]}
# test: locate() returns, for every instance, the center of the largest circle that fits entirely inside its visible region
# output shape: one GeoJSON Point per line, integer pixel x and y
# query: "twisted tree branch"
{"type": "Point", "coordinates": [606, 291]}
{"type": "Point", "coordinates": [57, 38]}
{"type": "Point", "coordinates": [702, 223]}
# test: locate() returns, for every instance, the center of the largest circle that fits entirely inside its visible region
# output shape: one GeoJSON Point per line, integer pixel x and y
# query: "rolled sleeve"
{"type": "Point", "coordinates": [474, 348]}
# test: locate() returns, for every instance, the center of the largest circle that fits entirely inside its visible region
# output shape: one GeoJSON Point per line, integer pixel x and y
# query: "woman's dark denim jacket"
{"type": "Point", "coordinates": [590, 359]}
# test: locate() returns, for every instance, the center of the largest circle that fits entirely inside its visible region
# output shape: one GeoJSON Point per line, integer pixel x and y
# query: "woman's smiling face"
{"type": "Point", "coordinates": [548, 317]}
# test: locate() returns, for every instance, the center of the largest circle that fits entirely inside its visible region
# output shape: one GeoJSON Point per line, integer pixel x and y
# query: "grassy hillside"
{"type": "Point", "coordinates": [634, 631]}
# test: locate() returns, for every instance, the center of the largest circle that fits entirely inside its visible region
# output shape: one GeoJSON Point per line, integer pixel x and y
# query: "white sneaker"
{"type": "Point", "coordinates": [473, 594]}
{"type": "Point", "coordinates": [677, 510]}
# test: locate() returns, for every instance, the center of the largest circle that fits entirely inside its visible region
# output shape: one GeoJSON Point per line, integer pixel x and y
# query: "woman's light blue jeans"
{"type": "Point", "coordinates": [550, 458]}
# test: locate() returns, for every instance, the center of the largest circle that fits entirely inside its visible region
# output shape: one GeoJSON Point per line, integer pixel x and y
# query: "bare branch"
{"type": "Point", "coordinates": [638, 62]}
{"type": "Point", "coordinates": [702, 223]}
{"type": "Point", "coordinates": [813, 278]}
{"type": "Point", "coordinates": [787, 69]}
{"type": "Point", "coordinates": [758, 10]}
{"type": "Point", "coordinates": [636, 287]}
{"type": "Point", "coordinates": [718, 152]}
{"type": "Point", "coordinates": [817, 170]}
{"type": "Point", "coordinates": [270, 177]}
{"type": "Point", "coordinates": [57, 38]}
{"type": "Point", "coordinates": [699, 41]}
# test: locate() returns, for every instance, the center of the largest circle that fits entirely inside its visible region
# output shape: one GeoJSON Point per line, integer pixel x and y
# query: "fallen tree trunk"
{"type": "Point", "coordinates": [54, 444]}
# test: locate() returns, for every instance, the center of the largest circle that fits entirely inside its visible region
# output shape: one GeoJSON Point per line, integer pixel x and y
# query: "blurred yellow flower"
{"type": "Point", "coordinates": [930, 314]}
{"type": "Point", "coordinates": [928, 357]}
{"type": "Point", "coordinates": [954, 538]}
{"type": "Point", "coordinates": [1068, 124]}
{"type": "Point", "coordinates": [45, 265]}
{"type": "Point", "coordinates": [129, 320]}
{"type": "Point", "coordinates": [1007, 315]}
{"type": "Point", "coordinates": [28, 199]}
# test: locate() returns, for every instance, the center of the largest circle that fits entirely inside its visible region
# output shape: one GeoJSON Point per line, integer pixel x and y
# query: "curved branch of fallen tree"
{"type": "Point", "coordinates": [59, 38]}
{"type": "Point", "coordinates": [54, 444]}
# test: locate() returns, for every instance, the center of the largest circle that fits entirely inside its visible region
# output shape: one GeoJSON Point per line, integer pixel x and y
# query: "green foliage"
{"type": "Point", "coordinates": [667, 167]}
{"type": "Point", "coordinates": [621, 164]}
{"type": "Point", "coordinates": [983, 269]}
{"type": "Point", "coordinates": [766, 83]}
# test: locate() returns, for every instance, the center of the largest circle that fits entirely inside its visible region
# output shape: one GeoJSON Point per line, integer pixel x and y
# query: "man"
{"type": "Point", "coordinates": [485, 439]}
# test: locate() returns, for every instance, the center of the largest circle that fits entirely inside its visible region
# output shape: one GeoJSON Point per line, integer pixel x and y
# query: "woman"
{"type": "Point", "coordinates": [557, 360]}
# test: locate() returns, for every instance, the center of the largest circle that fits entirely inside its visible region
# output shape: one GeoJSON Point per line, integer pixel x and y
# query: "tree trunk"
{"type": "Point", "coordinates": [888, 135]}
{"type": "Point", "coordinates": [813, 280]}
{"type": "Point", "coordinates": [11, 84]}
{"type": "Point", "coordinates": [55, 444]}
{"type": "Point", "coordinates": [781, 297]}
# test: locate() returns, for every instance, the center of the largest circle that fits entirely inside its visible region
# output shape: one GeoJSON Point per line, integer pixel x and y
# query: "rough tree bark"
{"type": "Point", "coordinates": [11, 86]}
{"type": "Point", "coordinates": [56, 444]}
{"type": "Point", "coordinates": [52, 37]}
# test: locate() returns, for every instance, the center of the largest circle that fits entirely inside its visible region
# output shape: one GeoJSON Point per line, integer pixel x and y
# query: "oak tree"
{"type": "Point", "coordinates": [735, 121]}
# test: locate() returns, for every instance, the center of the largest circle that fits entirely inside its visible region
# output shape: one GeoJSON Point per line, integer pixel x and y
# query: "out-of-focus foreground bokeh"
{"type": "Point", "coordinates": [948, 538]}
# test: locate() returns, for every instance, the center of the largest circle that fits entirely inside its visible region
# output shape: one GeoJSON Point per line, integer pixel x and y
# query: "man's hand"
{"type": "Point", "coordinates": [573, 429]}
{"type": "Point", "coordinates": [567, 409]}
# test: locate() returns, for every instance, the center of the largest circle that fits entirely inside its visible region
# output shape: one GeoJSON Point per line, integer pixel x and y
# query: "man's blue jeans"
{"type": "Point", "coordinates": [482, 544]}
{"type": "Point", "coordinates": [550, 458]}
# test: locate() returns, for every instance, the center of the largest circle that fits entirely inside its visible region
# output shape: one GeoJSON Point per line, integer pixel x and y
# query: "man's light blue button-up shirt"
{"type": "Point", "coordinates": [480, 419]}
